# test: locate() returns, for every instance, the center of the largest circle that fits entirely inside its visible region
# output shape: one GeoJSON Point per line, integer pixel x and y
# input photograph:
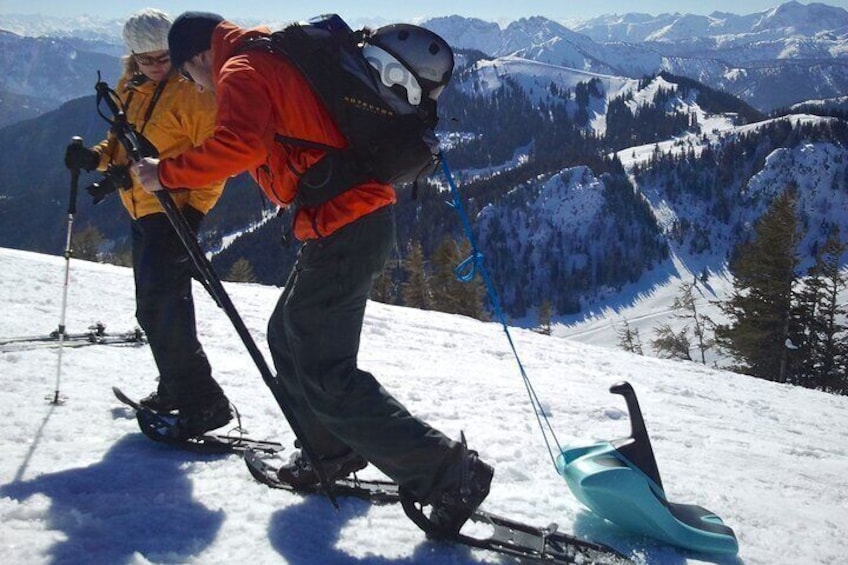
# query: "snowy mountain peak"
{"type": "Point", "coordinates": [790, 18]}
{"type": "Point", "coordinates": [797, 18]}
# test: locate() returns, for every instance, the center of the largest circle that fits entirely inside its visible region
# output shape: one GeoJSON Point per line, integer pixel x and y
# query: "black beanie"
{"type": "Point", "coordinates": [190, 34]}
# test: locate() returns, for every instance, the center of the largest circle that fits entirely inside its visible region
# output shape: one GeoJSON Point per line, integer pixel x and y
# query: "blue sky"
{"type": "Point", "coordinates": [491, 10]}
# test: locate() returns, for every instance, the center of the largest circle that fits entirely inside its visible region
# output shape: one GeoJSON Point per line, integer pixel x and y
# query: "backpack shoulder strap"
{"type": "Point", "coordinates": [280, 43]}
{"type": "Point", "coordinates": [304, 143]}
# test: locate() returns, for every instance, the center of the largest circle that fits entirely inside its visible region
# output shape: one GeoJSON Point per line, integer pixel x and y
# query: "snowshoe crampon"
{"type": "Point", "coordinates": [483, 530]}
{"type": "Point", "coordinates": [159, 427]}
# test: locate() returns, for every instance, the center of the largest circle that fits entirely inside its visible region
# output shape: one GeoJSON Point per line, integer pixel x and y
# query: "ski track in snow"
{"type": "Point", "coordinates": [79, 483]}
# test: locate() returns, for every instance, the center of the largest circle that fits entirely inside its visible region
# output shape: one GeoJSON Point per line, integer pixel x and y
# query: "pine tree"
{"type": "Point", "coordinates": [446, 288]}
{"type": "Point", "coordinates": [86, 244]}
{"type": "Point", "coordinates": [760, 307]}
{"type": "Point", "coordinates": [385, 289]}
{"type": "Point", "coordinates": [415, 291]}
{"type": "Point", "coordinates": [544, 314]}
{"type": "Point", "coordinates": [241, 271]}
{"type": "Point", "coordinates": [121, 255]}
{"type": "Point", "coordinates": [825, 336]}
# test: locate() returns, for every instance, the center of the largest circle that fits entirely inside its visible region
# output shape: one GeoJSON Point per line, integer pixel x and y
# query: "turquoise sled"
{"type": "Point", "coordinates": [620, 481]}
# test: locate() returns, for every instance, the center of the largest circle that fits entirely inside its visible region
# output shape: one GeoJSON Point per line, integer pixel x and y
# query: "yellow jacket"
{"type": "Point", "coordinates": [181, 119]}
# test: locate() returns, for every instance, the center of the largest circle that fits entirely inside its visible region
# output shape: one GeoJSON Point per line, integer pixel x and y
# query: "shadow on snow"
{"type": "Point", "coordinates": [307, 533]}
{"type": "Point", "coordinates": [136, 499]}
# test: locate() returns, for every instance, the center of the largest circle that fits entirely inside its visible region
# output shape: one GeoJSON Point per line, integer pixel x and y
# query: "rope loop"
{"type": "Point", "coordinates": [467, 269]}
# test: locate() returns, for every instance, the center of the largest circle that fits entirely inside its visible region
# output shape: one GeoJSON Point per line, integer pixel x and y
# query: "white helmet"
{"type": "Point", "coordinates": [410, 56]}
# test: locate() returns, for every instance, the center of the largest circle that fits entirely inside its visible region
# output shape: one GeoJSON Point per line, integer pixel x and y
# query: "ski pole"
{"type": "Point", "coordinates": [72, 210]}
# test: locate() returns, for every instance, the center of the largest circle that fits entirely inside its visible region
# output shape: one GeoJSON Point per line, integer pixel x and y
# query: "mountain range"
{"type": "Point", "coordinates": [770, 59]}
{"type": "Point", "coordinates": [586, 184]}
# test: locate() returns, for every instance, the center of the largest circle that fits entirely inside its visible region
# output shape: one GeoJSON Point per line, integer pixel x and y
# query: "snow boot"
{"type": "Point", "coordinates": [300, 472]}
{"type": "Point", "coordinates": [454, 507]}
{"type": "Point", "coordinates": [197, 421]}
{"type": "Point", "coordinates": [158, 402]}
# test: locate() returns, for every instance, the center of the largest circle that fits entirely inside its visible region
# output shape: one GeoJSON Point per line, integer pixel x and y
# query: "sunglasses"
{"type": "Point", "coordinates": [149, 61]}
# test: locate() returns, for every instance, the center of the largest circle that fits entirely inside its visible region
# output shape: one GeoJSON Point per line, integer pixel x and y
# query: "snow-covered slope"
{"type": "Point", "coordinates": [78, 482]}
{"type": "Point", "coordinates": [813, 167]}
{"type": "Point", "coordinates": [535, 77]}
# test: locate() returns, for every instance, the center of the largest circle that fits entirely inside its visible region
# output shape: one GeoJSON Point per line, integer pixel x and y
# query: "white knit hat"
{"type": "Point", "coordinates": [146, 31]}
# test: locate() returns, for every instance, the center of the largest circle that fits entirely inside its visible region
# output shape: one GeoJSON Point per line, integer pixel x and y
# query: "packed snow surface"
{"type": "Point", "coordinates": [80, 484]}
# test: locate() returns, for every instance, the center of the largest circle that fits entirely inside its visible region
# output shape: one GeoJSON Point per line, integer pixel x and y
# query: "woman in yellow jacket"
{"type": "Point", "coordinates": [174, 116]}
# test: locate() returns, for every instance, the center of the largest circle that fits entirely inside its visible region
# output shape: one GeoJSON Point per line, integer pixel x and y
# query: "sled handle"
{"type": "Point", "coordinates": [636, 448]}
{"type": "Point", "coordinates": [638, 431]}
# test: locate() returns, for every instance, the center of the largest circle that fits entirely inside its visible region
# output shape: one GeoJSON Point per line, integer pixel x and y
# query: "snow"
{"type": "Point", "coordinates": [79, 483]}
{"type": "Point", "coordinates": [229, 238]}
{"type": "Point", "coordinates": [535, 77]}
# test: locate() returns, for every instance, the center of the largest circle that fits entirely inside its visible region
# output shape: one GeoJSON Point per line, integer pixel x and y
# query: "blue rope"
{"type": "Point", "coordinates": [465, 272]}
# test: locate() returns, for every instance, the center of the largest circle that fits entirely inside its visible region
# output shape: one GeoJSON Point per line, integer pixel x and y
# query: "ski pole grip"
{"type": "Point", "coordinates": [72, 205]}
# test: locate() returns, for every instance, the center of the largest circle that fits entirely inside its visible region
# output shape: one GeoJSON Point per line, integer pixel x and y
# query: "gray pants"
{"type": "Point", "coordinates": [314, 337]}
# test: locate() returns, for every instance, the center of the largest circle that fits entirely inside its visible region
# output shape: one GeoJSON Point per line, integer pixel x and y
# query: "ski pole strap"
{"type": "Point", "coordinates": [465, 272]}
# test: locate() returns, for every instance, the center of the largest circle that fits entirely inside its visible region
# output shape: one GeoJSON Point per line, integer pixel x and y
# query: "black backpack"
{"type": "Point", "coordinates": [389, 140]}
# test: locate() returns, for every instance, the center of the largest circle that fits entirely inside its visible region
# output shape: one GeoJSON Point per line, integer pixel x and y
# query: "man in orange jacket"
{"type": "Point", "coordinates": [347, 417]}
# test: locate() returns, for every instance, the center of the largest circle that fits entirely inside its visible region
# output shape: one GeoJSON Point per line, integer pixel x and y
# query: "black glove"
{"type": "Point", "coordinates": [78, 156]}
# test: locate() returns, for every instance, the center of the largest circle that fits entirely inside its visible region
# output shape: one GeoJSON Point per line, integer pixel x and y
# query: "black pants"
{"type": "Point", "coordinates": [314, 339]}
{"type": "Point", "coordinates": [165, 310]}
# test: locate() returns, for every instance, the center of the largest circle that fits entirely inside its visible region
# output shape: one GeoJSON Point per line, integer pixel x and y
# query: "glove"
{"type": "Point", "coordinates": [78, 156]}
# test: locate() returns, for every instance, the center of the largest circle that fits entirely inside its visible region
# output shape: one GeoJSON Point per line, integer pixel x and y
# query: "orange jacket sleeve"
{"type": "Point", "coordinates": [242, 131]}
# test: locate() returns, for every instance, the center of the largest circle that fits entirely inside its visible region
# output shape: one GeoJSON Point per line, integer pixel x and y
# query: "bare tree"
{"type": "Point", "coordinates": [672, 345]}
{"type": "Point", "coordinates": [629, 340]}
